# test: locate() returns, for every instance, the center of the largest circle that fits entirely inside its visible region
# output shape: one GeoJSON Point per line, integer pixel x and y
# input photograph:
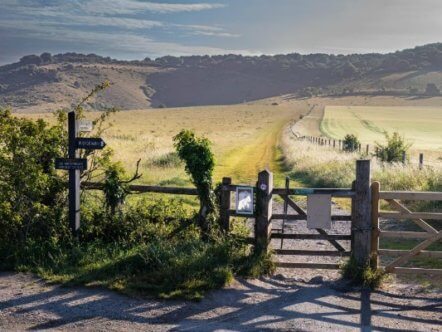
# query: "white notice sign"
{"type": "Point", "coordinates": [84, 125]}
{"type": "Point", "coordinates": [319, 211]}
{"type": "Point", "coordinates": [244, 200]}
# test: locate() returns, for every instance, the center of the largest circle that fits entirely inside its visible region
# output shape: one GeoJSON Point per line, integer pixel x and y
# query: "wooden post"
{"type": "Point", "coordinates": [352, 241]}
{"type": "Point", "coordinates": [74, 176]}
{"type": "Point", "coordinates": [334, 143]}
{"type": "Point", "coordinates": [360, 147]}
{"type": "Point", "coordinates": [404, 157]}
{"type": "Point", "coordinates": [374, 257]}
{"type": "Point", "coordinates": [367, 149]}
{"type": "Point", "coordinates": [263, 225]}
{"type": "Point", "coordinates": [361, 224]}
{"type": "Point", "coordinates": [421, 160]}
{"type": "Point", "coordinates": [225, 205]}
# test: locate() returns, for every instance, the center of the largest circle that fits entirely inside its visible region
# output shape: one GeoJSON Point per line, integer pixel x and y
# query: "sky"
{"type": "Point", "coordinates": [135, 29]}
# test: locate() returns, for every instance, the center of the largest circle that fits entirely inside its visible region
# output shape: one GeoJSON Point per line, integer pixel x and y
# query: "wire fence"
{"type": "Point", "coordinates": [418, 159]}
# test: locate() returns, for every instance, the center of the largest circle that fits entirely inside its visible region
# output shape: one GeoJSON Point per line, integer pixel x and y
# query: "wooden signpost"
{"type": "Point", "coordinates": [74, 164]}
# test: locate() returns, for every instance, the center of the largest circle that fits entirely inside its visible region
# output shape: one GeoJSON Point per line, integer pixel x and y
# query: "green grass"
{"type": "Point", "coordinates": [169, 261]}
{"type": "Point", "coordinates": [419, 125]}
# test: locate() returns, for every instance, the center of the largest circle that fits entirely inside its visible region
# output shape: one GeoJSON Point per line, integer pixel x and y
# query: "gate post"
{"type": "Point", "coordinates": [375, 188]}
{"type": "Point", "coordinates": [263, 210]}
{"type": "Point", "coordinates": [361, 223]}
{"type": "Point", "coordinates": [225, 205]}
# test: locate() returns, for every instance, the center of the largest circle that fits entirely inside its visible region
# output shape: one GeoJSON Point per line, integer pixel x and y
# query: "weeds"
{"type": "Point", "coordinates": [362, 276]}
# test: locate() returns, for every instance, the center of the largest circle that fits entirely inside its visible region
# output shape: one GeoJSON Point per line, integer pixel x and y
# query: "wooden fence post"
{"type": "Point", "coordinates": [367, 149]}
{"type": "Point", "coordinates": [361, 224]}
{"type": "Point", "coordinates": [374, 257]}
{"type": "Point", "coordinates": [225, 205]}
{"type": "Point", "coordinates": [421, 160]}
{"type": "Point", "coordinates": [404, 157]}
{"type": "Point", "coordinates": [263, 210]}
{"type": "Point", "coordinates": [353, 204]}
{"type": "Point", "coordinates": [74, 176]}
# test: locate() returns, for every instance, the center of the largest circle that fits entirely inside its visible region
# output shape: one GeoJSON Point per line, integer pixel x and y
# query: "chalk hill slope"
{"type": "Point", "coordinates": [46, 82]}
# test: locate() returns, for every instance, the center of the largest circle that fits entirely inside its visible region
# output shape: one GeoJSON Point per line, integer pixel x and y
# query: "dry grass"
{"type": "Point", "coordinates": [244, 138]}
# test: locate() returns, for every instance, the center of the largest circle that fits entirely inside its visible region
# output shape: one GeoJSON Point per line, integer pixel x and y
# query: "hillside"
{"type": "Point", "coordinates": [47, 82]}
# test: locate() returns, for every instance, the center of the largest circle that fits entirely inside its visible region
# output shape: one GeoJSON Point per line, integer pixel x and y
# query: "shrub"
{"type": "Point", "coordinates": [200, 162]}
{"type": "Point", "coordinates": [351, 143]}
{"type": "Point", "coordinates": [32, 193]}
{"type": "Point", "coordinates": [393, 150]}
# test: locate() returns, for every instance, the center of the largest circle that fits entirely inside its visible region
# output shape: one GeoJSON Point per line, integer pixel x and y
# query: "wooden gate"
{"type": "Point", "coordinates": [398, 211]}
{"type": "Point", "coordinates": [360, 217]}
{"type": "Point", "coordinates": [300, 214]}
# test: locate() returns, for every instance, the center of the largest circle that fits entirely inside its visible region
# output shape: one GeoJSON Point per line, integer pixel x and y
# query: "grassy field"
{"type": "Point", "coordinates": [245, 138]}
{"type": "Point", "coordinates": [420, 126]}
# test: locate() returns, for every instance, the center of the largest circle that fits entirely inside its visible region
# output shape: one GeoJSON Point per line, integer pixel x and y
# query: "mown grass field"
{"type": "Point", "coordinates": [244, 137]}
{"type": "Point", "coordinates": [421, 126]}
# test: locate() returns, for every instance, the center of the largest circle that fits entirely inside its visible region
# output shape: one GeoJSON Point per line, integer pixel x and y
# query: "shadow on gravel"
{"type": "Point", "coordinates": [267, 304]}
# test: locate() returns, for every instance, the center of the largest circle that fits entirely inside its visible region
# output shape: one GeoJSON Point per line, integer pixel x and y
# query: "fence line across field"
{"type": "Point", "coordinates": [366, 149]}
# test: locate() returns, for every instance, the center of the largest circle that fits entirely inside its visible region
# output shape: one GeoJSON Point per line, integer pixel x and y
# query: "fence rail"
{"type": "Point", "coordinates": [145, 189]}
{"type": "Point", "coordinates": [429, 235]}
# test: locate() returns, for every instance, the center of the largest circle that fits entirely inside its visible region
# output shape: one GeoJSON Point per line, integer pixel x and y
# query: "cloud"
{"type": "Point", "coordinates": [102, 13]}
{"type": "Point", "coordinates": [123, 26]}
{"type": "Point", "coordinates": [130, 6]}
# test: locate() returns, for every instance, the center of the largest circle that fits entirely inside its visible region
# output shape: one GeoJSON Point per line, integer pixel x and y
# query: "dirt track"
{"type": "Point", "coordinates": [268, 304]}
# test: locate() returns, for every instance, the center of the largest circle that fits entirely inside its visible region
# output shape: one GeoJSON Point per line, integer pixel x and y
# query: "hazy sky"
{"type": "Point", "coordinates": [134, 29]}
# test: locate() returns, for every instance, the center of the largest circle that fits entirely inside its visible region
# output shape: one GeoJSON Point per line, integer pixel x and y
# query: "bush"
{"type": "Point", "coordinates": [32, 193]}
{"type": "Point", "coordinates": [351, 143]}
{"type": "Point", "coordinates": [199, 164]}
{"type": "Point", "coordinates": [393, 150]}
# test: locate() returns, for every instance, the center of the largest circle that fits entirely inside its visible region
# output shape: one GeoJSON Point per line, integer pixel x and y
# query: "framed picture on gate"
{"type": "Point", "coordinates": [244, 200]}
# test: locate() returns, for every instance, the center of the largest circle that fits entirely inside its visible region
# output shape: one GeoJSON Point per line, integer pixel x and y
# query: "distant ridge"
{"type": "Point", "coordinates": [50, 81]}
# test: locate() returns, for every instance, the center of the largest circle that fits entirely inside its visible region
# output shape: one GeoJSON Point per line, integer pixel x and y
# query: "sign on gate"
{"type": "Point", "coordinates": [319, 211]}
{"type": "Point", "coordinates": [244, 200]}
